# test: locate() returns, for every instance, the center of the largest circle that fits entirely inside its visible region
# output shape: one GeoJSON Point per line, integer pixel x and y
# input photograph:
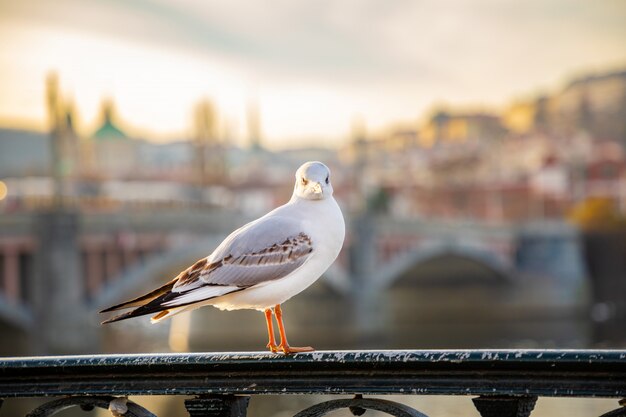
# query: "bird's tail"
{"type": "Point", "coordinates": [143, 303]}
{"type": "Point", "coordinates": [140, 311]}
{"type": "Point", "coordinates": [166, 303]}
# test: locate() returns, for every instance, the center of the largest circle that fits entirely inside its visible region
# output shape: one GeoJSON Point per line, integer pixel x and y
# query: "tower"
{"type": "Point", "coordinates": [254, 126]}
{"type": "Point", "coordinates": [210, 157]}
{"type": "Point", "coordinates": [63, 140]}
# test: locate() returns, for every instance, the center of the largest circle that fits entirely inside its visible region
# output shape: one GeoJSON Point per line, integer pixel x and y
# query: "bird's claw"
{"type": "Point", "coordinates": [272, 347]}
{"type": "Point", "coordinates": [290, 349]}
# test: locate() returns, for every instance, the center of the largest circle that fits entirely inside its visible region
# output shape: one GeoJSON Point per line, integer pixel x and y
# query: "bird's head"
{"type": "Point", "coordinates": [313, 181]}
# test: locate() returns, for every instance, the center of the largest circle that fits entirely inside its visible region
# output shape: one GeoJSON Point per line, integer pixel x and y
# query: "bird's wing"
{"type": "Point", "coordinates": [265, 250]}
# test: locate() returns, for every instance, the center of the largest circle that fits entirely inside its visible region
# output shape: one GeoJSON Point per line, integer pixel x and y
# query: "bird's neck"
{"type": "Point", "coordinates": [295, 199]}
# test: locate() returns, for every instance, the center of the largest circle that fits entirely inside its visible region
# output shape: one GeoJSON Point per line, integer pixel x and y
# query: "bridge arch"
{"type": "Point", "coordinates": [480, 257]}
{"type": "Point", "coordinates": [449, 296]}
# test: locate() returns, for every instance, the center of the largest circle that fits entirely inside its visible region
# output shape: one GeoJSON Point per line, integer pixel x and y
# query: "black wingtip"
{"type": "Point", "coordinates": [144, 299]}
{"type": "Point", "coordinates": [106, 310]}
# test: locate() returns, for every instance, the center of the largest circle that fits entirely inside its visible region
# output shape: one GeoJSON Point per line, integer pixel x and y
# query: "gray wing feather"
{"type": "Point", "coordinates": [264, 250]}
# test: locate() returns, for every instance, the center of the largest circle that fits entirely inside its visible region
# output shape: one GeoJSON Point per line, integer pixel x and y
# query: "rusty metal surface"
{"type": "Point", "coordinates": [567, 373]}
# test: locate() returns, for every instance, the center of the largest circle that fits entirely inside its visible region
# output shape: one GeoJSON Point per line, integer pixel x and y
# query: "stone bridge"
{"type": "Point", "coordinates": [53, 260]}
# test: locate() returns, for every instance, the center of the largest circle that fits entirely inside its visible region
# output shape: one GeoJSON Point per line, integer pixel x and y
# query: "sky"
{"type": "Point", "coordinates": [311, 67]}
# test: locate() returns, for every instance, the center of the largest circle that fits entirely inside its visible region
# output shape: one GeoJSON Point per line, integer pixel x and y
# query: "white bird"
{"type": "Point", "coordinates": [262, 264]}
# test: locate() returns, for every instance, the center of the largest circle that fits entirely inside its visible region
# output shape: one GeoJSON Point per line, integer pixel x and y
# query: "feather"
{"type": "Point", "coordinates": [141, 300]}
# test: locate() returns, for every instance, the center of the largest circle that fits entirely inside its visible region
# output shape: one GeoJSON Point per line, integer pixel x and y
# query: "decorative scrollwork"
{"type": "Point", "coordinates": [619, 412]}
{"type": "Point", "coordinates": [88, 403]}
{"type": "Point", "coordinates": [358, 405]}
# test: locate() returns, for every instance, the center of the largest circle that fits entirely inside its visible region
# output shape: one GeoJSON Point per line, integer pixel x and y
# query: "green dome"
{"type": "Point", "coordinates": [108, 130]}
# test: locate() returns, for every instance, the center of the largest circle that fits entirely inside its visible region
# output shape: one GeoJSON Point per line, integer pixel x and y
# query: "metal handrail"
{"type": "Point", "coordinates": [487, 373]}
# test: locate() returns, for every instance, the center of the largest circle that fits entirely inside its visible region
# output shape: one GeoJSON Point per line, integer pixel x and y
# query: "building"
{"type": "Point", "coordinates": [109, 153]}
{"type": "Point", "coordinates": [461, 128]}
{"type": "Point", "coordinates": [519, 117]}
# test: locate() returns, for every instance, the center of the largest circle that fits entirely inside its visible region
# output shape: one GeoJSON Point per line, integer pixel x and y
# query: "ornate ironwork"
{"type": "Point", "coordinates": [89, 403]}
{"type": "Point", "coordinates": [217, 406]}
{"type": "Point", "coordinates": [358, 406]}
{"type": "Point", "coordinates": [504, 406]}
{"type": "Point", "coordinates": [618, 412]}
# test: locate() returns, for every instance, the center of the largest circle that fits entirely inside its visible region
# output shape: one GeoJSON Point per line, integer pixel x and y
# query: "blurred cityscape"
{"type": "Point", "coordinates": [523, 209]}
{"type": "Point", "coordinates": [535, 159]}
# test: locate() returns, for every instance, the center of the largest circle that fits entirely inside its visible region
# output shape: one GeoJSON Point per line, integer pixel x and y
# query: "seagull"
{"type": "Point", "coordinates": [260, 265]}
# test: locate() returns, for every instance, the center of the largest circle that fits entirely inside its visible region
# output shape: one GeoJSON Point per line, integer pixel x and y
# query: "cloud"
{"type": "Point", "coordinates": [365, 39]}
{"type": "Point", "coordinates": [378, 58]}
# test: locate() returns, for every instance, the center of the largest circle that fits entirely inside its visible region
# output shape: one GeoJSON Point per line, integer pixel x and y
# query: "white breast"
{"type": "Point", "coordinates": [323, 222]}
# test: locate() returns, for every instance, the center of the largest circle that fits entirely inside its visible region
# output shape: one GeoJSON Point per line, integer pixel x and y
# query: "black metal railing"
{"type": "Point", "coordinates": [505, 382]}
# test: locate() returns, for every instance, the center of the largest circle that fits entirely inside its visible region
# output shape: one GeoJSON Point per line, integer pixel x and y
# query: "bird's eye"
{"type": "Point", "coordinates": [304, 181]}
{"type": "Point", "coordinates": [327, 179]}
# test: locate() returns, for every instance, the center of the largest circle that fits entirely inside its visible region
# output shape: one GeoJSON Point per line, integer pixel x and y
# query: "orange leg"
{"type": "Point", "coordinates": [284, 345]}
{"type": "Point", "coordinates": [270, 331]}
